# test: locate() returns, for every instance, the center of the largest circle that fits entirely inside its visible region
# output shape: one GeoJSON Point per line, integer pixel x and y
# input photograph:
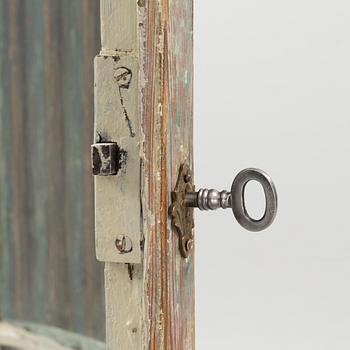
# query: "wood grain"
{"type": "Point", "coordinates": [49, 273]}
{"type": "Point", "coordinates": [168, 139]}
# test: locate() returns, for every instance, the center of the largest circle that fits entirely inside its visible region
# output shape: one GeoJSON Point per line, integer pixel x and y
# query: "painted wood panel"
{"type": "Point", "coordinates": [151, 305]}
{"type": "Point", "coordinates": [49, 273]}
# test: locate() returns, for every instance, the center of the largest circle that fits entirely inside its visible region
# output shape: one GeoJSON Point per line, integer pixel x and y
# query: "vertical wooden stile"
{"type": "Point", "coordinates": [150, 301]}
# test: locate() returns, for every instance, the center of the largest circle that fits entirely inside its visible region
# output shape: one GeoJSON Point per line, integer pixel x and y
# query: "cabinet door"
{"type": "Point", "coordinates": [143, 115]}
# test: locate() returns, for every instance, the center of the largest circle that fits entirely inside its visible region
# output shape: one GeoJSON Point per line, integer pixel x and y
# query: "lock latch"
{"type": "Point", "coordinates": [107, 158]}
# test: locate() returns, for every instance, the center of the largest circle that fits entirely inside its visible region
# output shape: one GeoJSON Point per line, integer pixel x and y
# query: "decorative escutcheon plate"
{"type": "Point", "coordinates": [181, 215]}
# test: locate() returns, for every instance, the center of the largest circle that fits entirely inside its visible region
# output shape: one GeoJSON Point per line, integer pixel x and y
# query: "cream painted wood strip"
{"type": "Point", "coordinates": [18, 338]}
{"type": "Point", "coordinates": [124, 290]}
{"type": "Point", "coordinates": [118, 198]}
{"type": "Point", "coordinates": [120, 15]}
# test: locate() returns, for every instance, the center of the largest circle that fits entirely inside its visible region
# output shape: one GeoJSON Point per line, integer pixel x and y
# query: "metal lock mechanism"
{"type": "Point", "coordinates": [184, 199]}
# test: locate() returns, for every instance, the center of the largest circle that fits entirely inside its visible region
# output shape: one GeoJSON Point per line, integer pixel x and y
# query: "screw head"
{"type": "Point", "coordinates": [189, 244]}
{"type": "Point", "coordinates": [188, 178]}
{"type": "Point", "coordinates": [123, 244]}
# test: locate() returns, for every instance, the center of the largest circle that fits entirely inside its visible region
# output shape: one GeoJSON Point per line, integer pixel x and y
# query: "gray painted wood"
{"type": "Point", "coordinates": [48, 270]}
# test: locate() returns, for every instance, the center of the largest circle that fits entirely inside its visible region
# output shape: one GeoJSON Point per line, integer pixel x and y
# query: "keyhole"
{"type": "Point", "coordinates": [254, 198]}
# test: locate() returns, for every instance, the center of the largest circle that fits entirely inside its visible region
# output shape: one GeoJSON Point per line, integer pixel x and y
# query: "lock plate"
{"type": "Point", "coordinates": [116, 160]}
{"type": "Point", "coordinates": [182, 216]}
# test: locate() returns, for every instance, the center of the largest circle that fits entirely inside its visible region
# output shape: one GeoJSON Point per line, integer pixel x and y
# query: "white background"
{"type": "Point", "coordinates": [272, 90]}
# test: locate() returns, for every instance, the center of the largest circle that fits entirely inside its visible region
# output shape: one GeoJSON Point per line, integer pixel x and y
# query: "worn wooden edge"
{"type": "Point", "coordinates": [151, 305]}
{"type": "Point", "coordinates": [31, 336]}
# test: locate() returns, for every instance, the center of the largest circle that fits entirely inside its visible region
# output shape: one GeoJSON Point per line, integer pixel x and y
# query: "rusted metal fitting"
{"type": "Point", "coordinates": [107, 158]}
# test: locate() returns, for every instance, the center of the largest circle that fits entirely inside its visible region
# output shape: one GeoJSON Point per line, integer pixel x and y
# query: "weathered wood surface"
{"type": "Point", "coordinates": [18, 338]}
{"type": "Point", "coordinates": [49, 273]}
{"type": "Point", "coordinates": [167, 125]}
{"type": "Point", "coordinates": [151, 305]}
{"type": "Point", "coordinates": [28, 336]}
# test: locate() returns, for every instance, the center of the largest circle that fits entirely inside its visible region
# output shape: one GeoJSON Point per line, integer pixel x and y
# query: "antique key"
{"type": "Point", "coordinates": [209, 199]}
{"type": "Point", "coordinates": [185, 199]}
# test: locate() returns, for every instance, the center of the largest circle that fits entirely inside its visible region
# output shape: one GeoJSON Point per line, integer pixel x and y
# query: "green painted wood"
{"type": "Point", "coordinates": [49, 273]}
